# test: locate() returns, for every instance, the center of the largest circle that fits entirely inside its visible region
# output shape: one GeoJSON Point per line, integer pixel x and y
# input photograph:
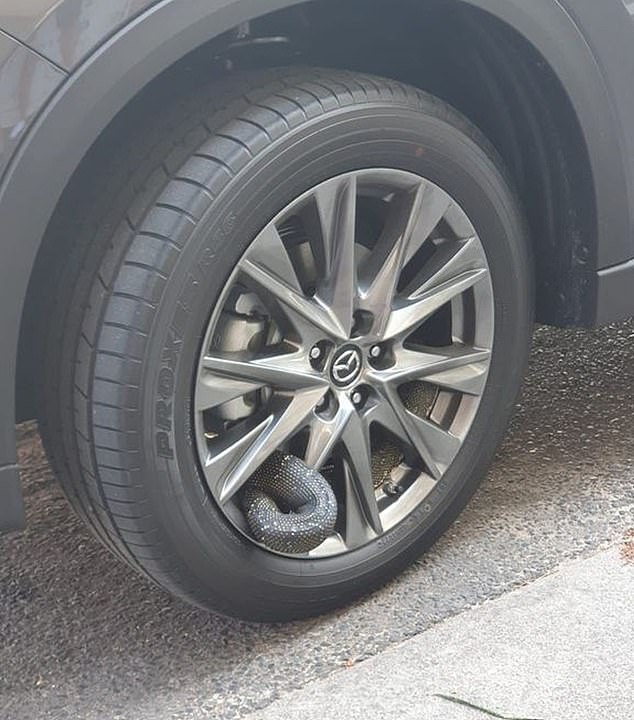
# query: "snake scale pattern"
{"type": "Point", "coordinates": [289, 507]}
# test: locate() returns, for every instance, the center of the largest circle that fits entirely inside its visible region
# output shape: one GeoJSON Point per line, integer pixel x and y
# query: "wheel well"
{"type": "Point", "coordinates": [461, 54]}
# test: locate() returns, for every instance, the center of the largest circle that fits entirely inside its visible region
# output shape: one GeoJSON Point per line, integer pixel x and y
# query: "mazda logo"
{"type": "Point", "coordinates": [346, 366]}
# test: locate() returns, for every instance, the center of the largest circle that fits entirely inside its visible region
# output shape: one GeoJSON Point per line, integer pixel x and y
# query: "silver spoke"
{"type": "Point", "coordinates": [325, 434]}
{"type": "Point", "coordinates": [436, 446]}
{"type": "Point", "coordinates": [413, 218]}
{"type": "Point", "coordinates": [289, 371]}
{"type": "Point", "coordinates": [356, 439]}
{"type": "Point", "coordinates": [380, 274]}
{"type": "Point", "coordinates": [450, 259]}
{"type": "Point", "coordinates": [337, 207]}
{"type": "Point", "coordinates": [411, 313]}
{"type": "Point", "coordinates": [308, 311]}
{"type": "Point", "coordinates": [469, 379]}
{"type": "Point", "coordinates": [382, 412]}
{"type": "Point", "coordinates": [222, 458]}
{"type": "Point", "coordinates": [229, 469]}
{"type": "Point", "coordinates": [433, 206]}
{"type": "Point", "coordinates": [455, 368]}
{"type": "Point", "coordinates": [212, 391]}
{"type": "Point", "coordinates": [268, 253]}
{"type": "Point", "coordinates": [357, 531]}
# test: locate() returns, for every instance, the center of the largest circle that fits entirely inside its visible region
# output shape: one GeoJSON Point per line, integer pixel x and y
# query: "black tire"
{"type": "Point", "coordinates": [184, 199]}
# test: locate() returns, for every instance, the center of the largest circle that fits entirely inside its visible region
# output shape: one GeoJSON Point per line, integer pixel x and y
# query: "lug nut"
{"type": "Point", "coordinates": [315, 352]}
{"type": "Point", "coordinates": [376, 351]}
{"type": "Point", "coordinates": [392, 489]}
{"type": "Point", "coordinates": [357, 398]}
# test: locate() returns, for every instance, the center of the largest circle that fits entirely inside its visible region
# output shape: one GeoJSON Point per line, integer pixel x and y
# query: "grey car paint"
{"type": "Point", "coordinates": [112, 49]}
{"type": "Point", "coordinates": [67, 30]}
{"type": "Point", "coordinates": [26, 81]}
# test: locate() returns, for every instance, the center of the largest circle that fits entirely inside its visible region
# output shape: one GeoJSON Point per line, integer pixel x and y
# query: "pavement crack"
{"type": "Point", "coordinates": [472, 706]}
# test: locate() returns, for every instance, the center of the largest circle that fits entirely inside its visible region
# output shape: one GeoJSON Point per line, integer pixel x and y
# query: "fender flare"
{"type": "Point", "coordinates": [117, 70]}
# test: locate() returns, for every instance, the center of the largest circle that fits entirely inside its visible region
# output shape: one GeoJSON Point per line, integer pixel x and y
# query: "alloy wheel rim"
{"type": "Point", "coordinates": [360, 318]}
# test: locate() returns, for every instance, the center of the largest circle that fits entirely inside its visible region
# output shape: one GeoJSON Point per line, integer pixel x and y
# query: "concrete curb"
{"type": "Point", "coordinates": [561, 648]}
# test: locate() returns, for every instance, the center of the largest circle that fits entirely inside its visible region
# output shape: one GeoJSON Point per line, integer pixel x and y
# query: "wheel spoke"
{"type": "Point", "coordinates": [269, 267]}
{"type": "Point", "coordinates": [357, 531]}
{"type": "Point", "coordinates": [379, 274]}
{"type": "Point", "coordinates": [228, 467]}
{"type": "Point", "coordinates": [222, 458]}
{"type": "Point", "coordinates": [382, 413]}
{"type": "Point", "coordinates": [469, 379]}
{"type": "Point", "coordinates": [436, 446]}
{"type": "Point", "coordinates": [412, 312]}
{"type": "Point", "coordinates": [451, 259]}
{"type": "Point", "coordinates": [324, 436]}
{"type": "Point", "coordinates": [456, 368]}
{"type": "Point", "coordinates": [212, 390]}
{"type": "Point", "coordinates": [337, 207]}
{"type": "Point", "coordinates": [412, 219]}
{"type": "Point", "coordinates": [356, 440]}
{"type": "Point", "coordinates": [434, 204]}
{"type": "Point", "coordinates": [268, 253]}
{"type": "Point", "coordinates": [289, 371]}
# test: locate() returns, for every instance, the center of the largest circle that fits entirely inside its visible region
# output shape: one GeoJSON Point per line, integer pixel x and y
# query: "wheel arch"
{"type": "Point", "coordinates": [118, 70]}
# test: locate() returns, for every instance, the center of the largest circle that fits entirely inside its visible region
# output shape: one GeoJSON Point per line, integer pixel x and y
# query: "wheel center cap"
{"type": "Point", "coordinates": [346, 366]}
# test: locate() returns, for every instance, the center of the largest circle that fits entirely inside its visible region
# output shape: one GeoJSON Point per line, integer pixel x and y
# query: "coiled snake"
{"type": "Point", "coordinates": [289, 507]}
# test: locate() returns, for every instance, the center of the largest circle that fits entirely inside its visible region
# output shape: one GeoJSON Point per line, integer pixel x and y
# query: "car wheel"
{"type": "Point", "coordinates": [288, 343]}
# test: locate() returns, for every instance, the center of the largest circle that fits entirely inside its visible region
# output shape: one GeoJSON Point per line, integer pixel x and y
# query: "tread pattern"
{"type": "Point", "coordinates": [140, 213]}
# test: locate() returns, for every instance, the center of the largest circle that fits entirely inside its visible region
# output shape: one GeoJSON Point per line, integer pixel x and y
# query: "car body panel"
{"type": "Point", "coordinates": [26, 82]}
{"type": "Point", "coordinates": [20, 17]}
{"type": "Point", "coordinates": [65, 31]}
{"type": "Point", "coordinates": [608, 28]}
{"type": "Point", "coordinates": [112, 54]}
{"type": "Point", "coordinates": [11, 502]}
{"type": "Point", "coordinates": [7, 46]}
{"type": "Point", "coordinates": [580, 66]}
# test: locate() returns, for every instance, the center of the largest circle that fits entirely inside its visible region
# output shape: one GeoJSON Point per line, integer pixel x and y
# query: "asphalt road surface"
{"type": "Point", "coordinates": [82, 637]}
